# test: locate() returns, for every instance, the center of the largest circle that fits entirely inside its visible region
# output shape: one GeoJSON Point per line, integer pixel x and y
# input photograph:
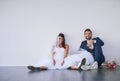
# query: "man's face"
{"type": "Point", "coordinates": [88, 35]}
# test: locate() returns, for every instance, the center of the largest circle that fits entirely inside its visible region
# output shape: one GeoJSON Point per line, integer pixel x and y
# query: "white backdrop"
{"type": "Point", "coordinates": [28, 28]}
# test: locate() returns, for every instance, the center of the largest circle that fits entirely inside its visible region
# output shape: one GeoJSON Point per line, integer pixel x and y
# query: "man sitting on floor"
{"type": "Point", "coordinates": [94, 46]}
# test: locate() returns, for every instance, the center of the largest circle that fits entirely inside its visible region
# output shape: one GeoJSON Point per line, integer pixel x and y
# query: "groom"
{"type": "Point", "coordinates": [94, 46]}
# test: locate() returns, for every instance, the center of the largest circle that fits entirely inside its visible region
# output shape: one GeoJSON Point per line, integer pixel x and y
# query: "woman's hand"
{"type": "Point", "coordinates": [62, 63]}
{"type": "Point", "coordinates": [54, 62]}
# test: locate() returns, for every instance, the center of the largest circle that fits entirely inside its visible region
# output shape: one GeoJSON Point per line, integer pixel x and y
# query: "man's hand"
{"type": "Point", "coordinates": [90, 43]}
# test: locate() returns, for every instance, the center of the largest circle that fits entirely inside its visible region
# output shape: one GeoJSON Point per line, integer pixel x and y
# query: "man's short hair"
{"type": "Point", "coordinates": [88, 30]}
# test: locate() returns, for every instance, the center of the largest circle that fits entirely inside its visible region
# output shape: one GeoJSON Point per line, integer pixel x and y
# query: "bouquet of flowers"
{"type": "Point", "coordinates": [109, 64]}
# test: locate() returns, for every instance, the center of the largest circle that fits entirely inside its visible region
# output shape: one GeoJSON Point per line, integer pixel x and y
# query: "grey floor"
{"type": "Point", "coordinates": [23, 74]}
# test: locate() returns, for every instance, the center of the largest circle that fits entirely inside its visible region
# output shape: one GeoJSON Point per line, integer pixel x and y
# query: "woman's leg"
{"type": "Point", "coordinates": [43, 68]}
{"type": "Point", "coordinates": [74, 67]}
{"type": "Point", "coordinates": [32, 68]}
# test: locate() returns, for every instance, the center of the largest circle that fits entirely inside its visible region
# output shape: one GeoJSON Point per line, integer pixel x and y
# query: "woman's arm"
{"type": "Point", "coordinates": [65, 53]}
{"type": "Point", "coordinates": [53, 53]}
{"type": "Point", "coordinates": [66, 50]}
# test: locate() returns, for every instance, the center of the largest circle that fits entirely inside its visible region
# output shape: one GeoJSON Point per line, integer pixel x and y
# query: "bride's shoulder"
{"type": "Point", "coordinates": [67, 45]}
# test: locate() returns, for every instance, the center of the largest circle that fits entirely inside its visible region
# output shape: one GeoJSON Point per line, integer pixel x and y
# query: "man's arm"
{"type": "Point", "coordinates": [84, 46]}
{"type": "Point", "coordinates": [100, 41]}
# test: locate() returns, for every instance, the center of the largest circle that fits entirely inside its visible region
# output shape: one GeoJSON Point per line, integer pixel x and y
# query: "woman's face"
{"type": "Point", "coordinates": [60, 40]}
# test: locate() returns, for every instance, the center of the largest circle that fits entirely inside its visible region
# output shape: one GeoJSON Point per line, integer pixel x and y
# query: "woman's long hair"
{"type": "Point", "coordinates": [63, 43]}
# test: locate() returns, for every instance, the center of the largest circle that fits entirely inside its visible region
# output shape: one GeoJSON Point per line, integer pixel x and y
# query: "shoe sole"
{"type": "Point", "coordinates": [31, 68]}
{"type": "Point", "coordinates": [82, 63]}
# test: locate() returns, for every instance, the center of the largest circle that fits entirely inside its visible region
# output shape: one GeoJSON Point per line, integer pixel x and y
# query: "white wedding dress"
{"type": "Point", "coordinates": [59, 56]}
{"type": "Point", "coordinates": [76, 58]}
{"type": "Point", "coordinates": [70, 60]}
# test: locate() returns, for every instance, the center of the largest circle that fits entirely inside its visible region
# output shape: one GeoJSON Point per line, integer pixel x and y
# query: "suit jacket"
{"type": "Point", "coordinates": [97, 51]}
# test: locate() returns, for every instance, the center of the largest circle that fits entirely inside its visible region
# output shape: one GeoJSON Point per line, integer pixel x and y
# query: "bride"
{"type": "Point", "coordinates": [61, 60]}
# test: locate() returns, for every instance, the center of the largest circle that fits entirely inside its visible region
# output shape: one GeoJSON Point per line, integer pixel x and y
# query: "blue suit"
{"type": "Point", "coordinates": [97, 51]}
